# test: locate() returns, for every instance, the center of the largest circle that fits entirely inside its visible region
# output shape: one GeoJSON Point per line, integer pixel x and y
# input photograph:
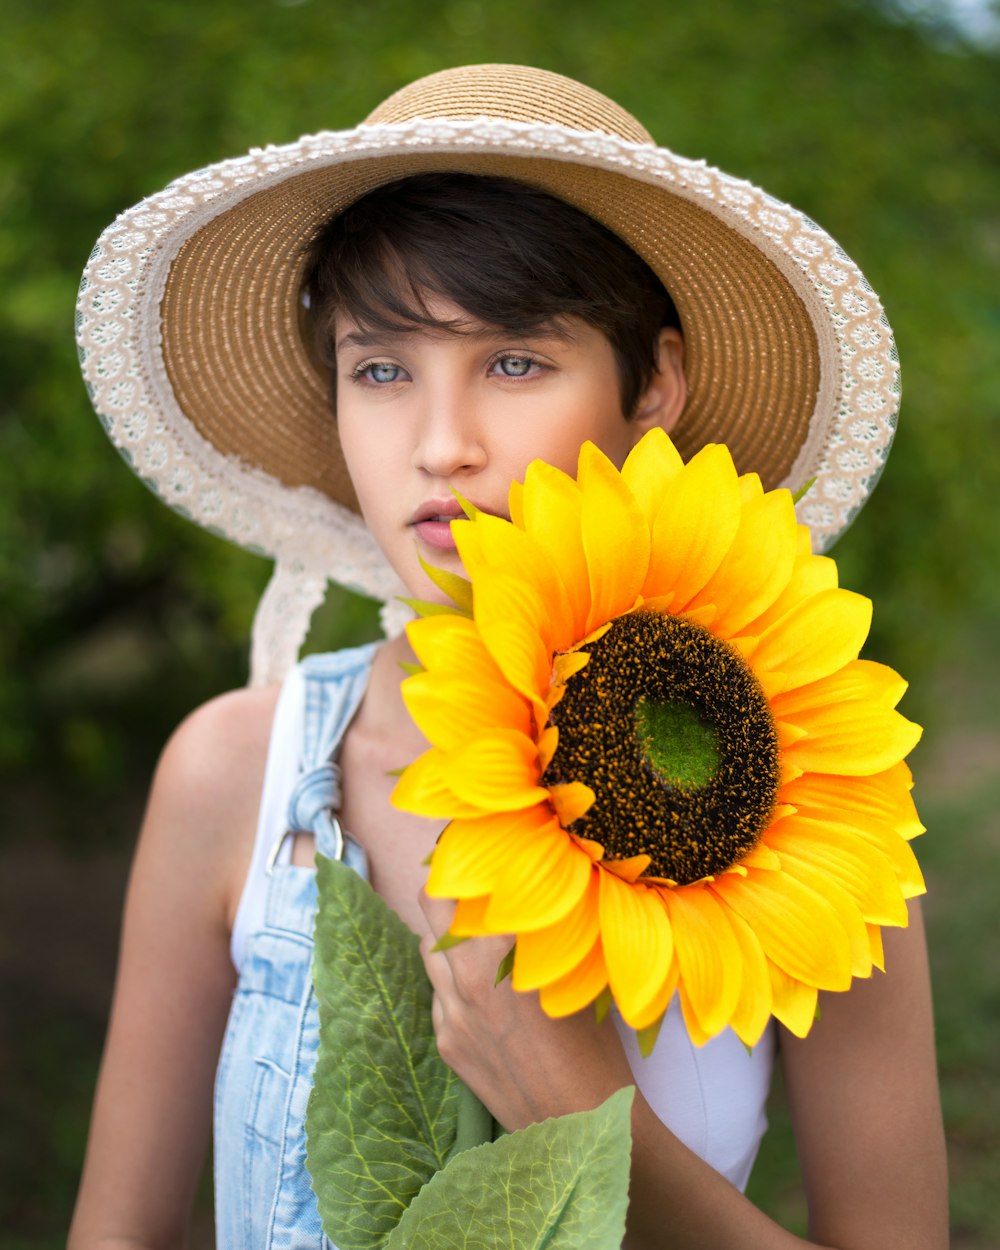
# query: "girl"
{"type": "Point", "coordinates": [478, 276]}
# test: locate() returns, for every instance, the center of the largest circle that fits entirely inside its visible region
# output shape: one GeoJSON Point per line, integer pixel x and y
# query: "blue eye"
{"type": "Point", "coordinates": [382, 371]}
{"type": "Point", "coordinates": [515, 366]}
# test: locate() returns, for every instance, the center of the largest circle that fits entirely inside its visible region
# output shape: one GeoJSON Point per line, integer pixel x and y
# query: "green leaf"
{"type": "Point", "coordinates": [384, 1112]}
{"type": "Point", "coordinates": [803, 490]}
{"type": "Point", "coordinates": [561, 1184]}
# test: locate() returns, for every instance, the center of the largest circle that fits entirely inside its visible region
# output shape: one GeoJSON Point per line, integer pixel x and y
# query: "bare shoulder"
{"type": "Point", "coordinates": [206, 791]}
{"type": "Point", "coordinates": [175, 977]}
{"type": "Point", "coordinates": [210, 754]}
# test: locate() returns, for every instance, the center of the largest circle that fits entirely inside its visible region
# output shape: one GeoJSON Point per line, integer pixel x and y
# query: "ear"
{"type": "Point", "coordinates": [663, 400]}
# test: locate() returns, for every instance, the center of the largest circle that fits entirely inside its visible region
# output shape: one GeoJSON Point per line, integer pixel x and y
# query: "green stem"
{"type": "Point", "coordinates": [474, 1124]}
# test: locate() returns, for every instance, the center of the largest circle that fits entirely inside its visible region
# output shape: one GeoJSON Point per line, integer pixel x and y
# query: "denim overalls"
{"type": "Point", "coordinates": [263, 1197]}
{"type": "Point", "coordinates": [712, 1097]}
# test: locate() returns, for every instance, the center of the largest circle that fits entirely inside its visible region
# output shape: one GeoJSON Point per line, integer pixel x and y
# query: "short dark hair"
{"type": "Point", "coordinates": [506, 253]}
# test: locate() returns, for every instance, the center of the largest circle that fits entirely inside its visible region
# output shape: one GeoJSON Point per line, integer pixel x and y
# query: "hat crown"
{"type": "Point", "coordinates": [516, 93]}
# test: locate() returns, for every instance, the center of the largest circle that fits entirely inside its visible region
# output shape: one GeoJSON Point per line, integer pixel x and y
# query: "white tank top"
{"type": "Point", "coordinates": [712, 1097]}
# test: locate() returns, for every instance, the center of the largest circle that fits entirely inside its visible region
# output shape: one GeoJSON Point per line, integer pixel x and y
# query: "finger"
{"type": "Point", "coordinates": [438, 912]}
{"type": "Point", "coordinates": [437, 1014]}
{"type": "Point", "coordinates": [436, 965]}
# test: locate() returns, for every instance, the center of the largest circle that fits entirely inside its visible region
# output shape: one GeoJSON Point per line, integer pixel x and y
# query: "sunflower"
{"type": "Point", "coordinates": [664, 767]}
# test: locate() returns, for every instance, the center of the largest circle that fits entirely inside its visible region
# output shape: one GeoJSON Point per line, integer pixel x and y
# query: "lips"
{"type": "Point", "coordinates": [431, 522]}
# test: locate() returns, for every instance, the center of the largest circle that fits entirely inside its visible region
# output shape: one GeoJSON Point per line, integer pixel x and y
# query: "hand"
{"type": "Point", "coordinates": [521, 1064]}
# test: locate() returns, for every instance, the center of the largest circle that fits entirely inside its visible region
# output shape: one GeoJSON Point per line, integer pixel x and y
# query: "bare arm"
{"type": "Point", "coordinates": [152, 1111]}
{"type": "Point", "coordinates": [863, 1089]}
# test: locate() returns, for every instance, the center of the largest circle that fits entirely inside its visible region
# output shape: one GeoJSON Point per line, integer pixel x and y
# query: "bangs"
{"type": "Point", "coordinates": [504, 253]}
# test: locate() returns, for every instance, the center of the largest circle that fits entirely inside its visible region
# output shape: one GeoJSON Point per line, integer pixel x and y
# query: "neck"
{"type": "Point", "coordinates": [383, 711]}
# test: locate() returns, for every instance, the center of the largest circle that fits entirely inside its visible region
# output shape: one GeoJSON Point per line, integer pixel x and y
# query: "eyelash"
{"type": "Point", "coordinates": [360, 372]}
{"type": "Point", "coordinates": [531, 361]}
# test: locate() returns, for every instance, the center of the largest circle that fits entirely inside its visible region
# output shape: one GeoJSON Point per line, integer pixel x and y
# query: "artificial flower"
{"type": "Point", "coordinates": [664, 767]}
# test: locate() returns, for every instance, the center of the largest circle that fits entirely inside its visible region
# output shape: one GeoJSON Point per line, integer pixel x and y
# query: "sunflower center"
{"type": "Point", "coordinates": [670, 728]}
{"type": "Point", "coordinates": [682, 749]}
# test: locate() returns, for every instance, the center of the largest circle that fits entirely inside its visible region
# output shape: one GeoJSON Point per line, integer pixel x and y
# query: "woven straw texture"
{"type": "Point", "coordinates": [189, 314]}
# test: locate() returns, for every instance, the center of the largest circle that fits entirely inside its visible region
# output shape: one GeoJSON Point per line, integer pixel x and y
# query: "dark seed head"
{"type": "Point", "coordinates": [670, 728]}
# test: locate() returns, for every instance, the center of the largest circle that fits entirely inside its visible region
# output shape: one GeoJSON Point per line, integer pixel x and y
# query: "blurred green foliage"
{"type": "Point", "coordinates": [119, 616]}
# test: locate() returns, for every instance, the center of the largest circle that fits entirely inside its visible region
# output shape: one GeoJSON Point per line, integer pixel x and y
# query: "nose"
{"type": "Point", "coordinates": [449, 438]}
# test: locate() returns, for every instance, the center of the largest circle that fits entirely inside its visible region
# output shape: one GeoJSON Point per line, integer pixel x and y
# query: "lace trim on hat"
{"type": "Point", "coordinates": [302, 529]}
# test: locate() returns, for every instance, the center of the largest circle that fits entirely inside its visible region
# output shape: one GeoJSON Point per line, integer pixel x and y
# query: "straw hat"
{"type": "Point", "coordinates": [190, 307]}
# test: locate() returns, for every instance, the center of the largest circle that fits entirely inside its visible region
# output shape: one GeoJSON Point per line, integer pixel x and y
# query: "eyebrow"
{"type": "Point", "coordinates": [377, 338]}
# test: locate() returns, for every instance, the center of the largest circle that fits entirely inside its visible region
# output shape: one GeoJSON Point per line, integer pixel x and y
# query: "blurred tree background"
{"type": "Point", "coordinates": [879, 119]}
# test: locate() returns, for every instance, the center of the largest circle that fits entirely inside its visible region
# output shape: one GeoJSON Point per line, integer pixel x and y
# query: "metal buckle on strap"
{"type": "Point", "coordinates": [336, 832]}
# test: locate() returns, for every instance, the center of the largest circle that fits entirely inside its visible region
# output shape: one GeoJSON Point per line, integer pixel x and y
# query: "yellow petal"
{"type": "Point", "coordinates": [659, 1004]}
{"type": "Point", "coordinates": [577, 989]}
{"type": "Point", "coordinates": [846, 907]}
{"type": "Point", "coordinates": [511, 617]}
{"type": "Point", "coordinates": [694, 527]}
{"type": "Point", "coordinates": [788, 733]}
{"type": "Point", "coordinates": [899, 853]}
{"type": "Point", "coordinates": [875, 940]}
{"type": "Point", "coordinates": [793, 1003]}
{"type": "Point", "coordinates": [546, 955]}
{"type": "Point", "coordinates": [760, 857]}
{"type": "Point", "coordinates": [638, 946]}
{"type": "Point", "coordinates": [753, 1008]}
{"type": "Point", "coordinates": [515, 504]}
{"type": "Point", "coordinates": [708, 956]}
{"type": "Point", "coordinates": [751, 489]}
{"type": "Point", "coordinates": [615, 538]}
{"type": "Point", "coordinates": [571, 801]}
{"type": "Point", "coordinates": [852, 739]}
{"type": "Point", "coordinates": [496, 772]}
{"type": "Point", "coordinates": [810, 575]}
{"type": "Point", "coordinates": [541, 884]}
{"type": "Point", "coordinates": [423, 789]}
{"type": "Point", "coordinates": [568, 664]}
{"type": "Point", "coordinates": [552, 508]}
{"type": "Point", "coordinates": [468, 919]}
{"type": "Point", "coordinates": [881, 799]}
{"type": "Point", "coordinates": [628, 870]}
{"type": "Point", "coordinates": [548, 740]}
{"type": "Point", "coordinates": [813, 640]}
{"type": "Point", "coordinates": [648, 470]}
{"type": "Point", "coordinates": [757, 567]}
{"type": "Point", "coordinates": [845, 859]}
{"type": "Point", "coordinates": [452, 643]}
{"type": "Point", "coordinates": [797, 929]}
{"type": "Point", "coordinates": [494, 546]}
{"type": "Point", "coordinates": [472, 853]}
{"type": "Point", "coordinates": [857, 680]}
{"type": "Point", "coordinates": [449, 710]}
{"type": "Point", "coordinates": [692, 1024]}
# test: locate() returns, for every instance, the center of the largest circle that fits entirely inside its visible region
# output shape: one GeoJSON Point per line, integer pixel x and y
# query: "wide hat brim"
{"type": "Point", "coordinates": [190, 313]}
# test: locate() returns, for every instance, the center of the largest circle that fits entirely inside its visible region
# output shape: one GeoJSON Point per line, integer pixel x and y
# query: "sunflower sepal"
{"type": "Point", "coordinates": [506, 965]}
{"type": "Point", "coordinates": [458, 589]}
{"type": "Point", "coordinates": [425, 608]}
{"type": "Point", "coordinates": [602, 1005]}
{"type": "Point", "coordinates": [448, 941]}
